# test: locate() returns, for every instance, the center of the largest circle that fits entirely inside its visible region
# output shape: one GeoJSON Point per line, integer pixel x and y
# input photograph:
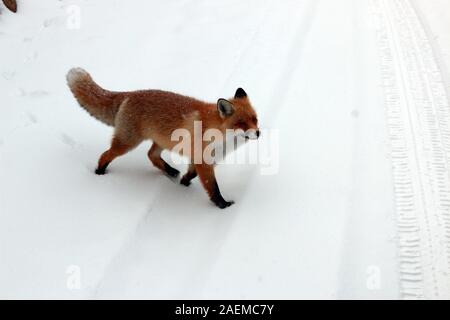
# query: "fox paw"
{"type": "Point", "coordinates": [171, 172]}
{"type": "Point", "coordinates": [224, 204]}
{"type": "Point", "coordinates": [100, 171]}
{"type": "Point", "coordinates": [185, 182]}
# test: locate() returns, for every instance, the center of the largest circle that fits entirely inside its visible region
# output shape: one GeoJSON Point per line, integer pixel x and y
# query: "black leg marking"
{"type": "Point", "coordinates": [102, 170]}
{"type": "Point", "coordinates": [187, 178]}
{"type": "Point", "coordinates": [172, 172]}
{"type": "Point", "coordinates": [218, 199]}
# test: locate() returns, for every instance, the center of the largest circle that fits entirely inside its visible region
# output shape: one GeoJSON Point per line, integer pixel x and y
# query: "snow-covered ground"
{"type": "Point", "coordinates": [359, 208]}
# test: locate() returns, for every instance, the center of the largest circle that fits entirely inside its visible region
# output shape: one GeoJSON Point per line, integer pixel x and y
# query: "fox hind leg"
{"type": "Point", "coordinates": [118, 148]}
{"type": "Point", "coordinates": [154, 154]}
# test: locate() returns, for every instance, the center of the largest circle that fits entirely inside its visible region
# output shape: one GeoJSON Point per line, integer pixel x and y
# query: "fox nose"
{"type": "Point", "coordinates": [258, 134]}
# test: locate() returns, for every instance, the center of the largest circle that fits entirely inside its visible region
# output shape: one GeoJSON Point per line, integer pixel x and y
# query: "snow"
{"type": "Point", "coordinates": [323, 226]}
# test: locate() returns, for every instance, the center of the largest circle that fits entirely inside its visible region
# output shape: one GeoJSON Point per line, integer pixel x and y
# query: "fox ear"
{"type": "Point", "coordinates": [240, 93]}
{"type": "Point", "coordinates": [225, 108]}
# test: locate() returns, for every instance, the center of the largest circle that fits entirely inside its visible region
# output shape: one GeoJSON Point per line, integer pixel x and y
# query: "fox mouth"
{"type": "Point", "coordinates": [249, 135]}
{"type": "Point", "coordinates": [253, 135]}
{"type": "Point", "coordinates": [247, 138]}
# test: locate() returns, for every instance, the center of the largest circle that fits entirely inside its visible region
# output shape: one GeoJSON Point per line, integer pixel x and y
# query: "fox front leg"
{"type": "Point", "coordinates": [189, 176]}
{"type": "Point", "coordinates": [209, 182]}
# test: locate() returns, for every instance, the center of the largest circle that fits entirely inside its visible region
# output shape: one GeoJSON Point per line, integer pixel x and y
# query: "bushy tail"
{"type": "Point", "coordinates": [100, 103]}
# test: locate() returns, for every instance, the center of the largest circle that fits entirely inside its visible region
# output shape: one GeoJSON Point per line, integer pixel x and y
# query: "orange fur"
{"type": "Point", "coordinates": [154, 115]}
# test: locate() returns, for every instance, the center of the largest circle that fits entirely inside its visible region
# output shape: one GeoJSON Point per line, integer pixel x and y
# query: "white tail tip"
{"type": "Point", "coordinates": [75, 74]}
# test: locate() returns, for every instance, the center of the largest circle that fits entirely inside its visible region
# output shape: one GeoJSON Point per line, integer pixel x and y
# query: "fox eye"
{"type": "Point", "coordinates": [255, 120]}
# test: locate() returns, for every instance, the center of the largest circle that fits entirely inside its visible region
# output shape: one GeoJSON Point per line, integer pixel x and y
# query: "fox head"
{"type": "Point", "coordinates": [238, 114]}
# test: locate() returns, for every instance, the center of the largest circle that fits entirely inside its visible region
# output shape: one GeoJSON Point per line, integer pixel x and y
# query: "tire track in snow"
{"type": "Point", "coordinates": [419, 130]}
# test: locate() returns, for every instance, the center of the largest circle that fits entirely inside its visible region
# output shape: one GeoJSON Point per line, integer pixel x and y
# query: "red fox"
{"type": "Point", "coordinates": [155, 115]}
